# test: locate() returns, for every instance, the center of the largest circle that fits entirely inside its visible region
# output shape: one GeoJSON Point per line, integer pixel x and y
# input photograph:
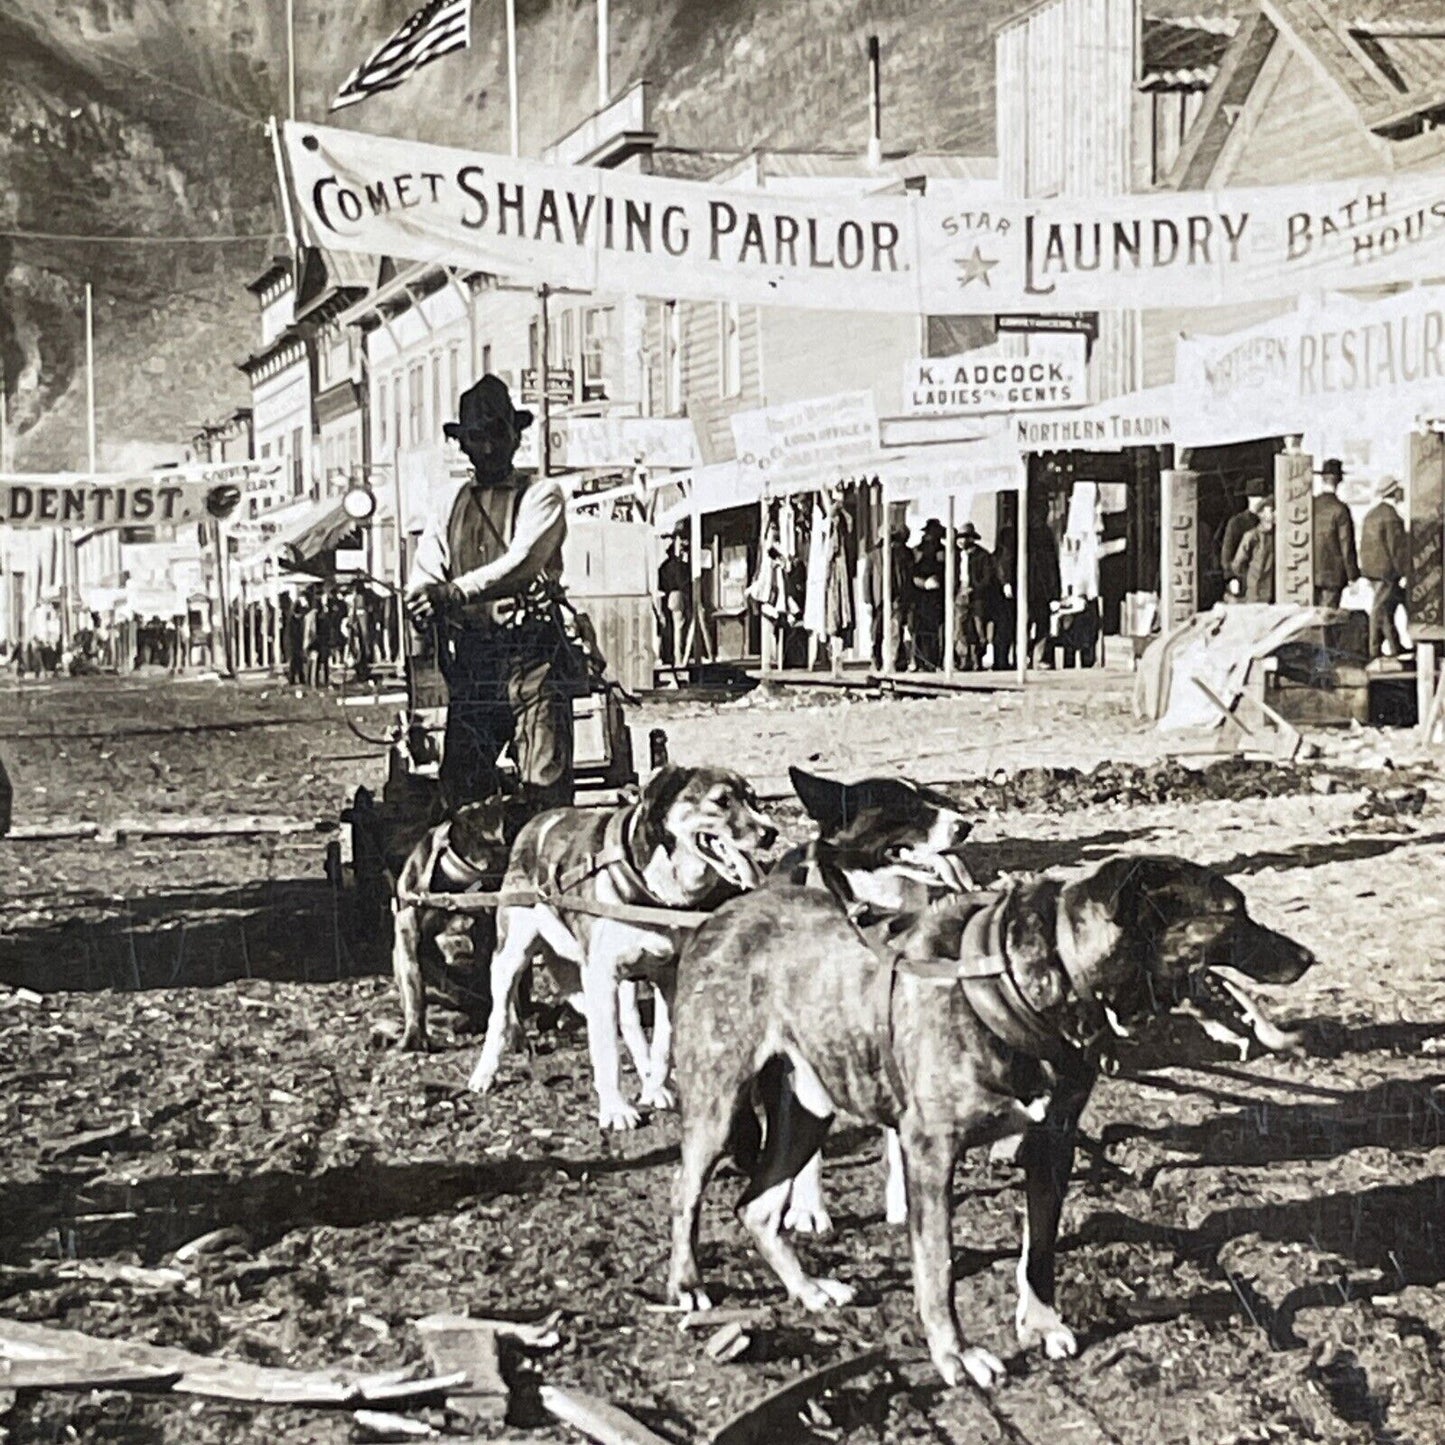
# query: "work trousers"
{"type": "Point", "coordinates": [1388, 596]}
{"type": "Point", "coordinates": [502, 685]}
{"type": "Point", "coordinates": [1328, 596]}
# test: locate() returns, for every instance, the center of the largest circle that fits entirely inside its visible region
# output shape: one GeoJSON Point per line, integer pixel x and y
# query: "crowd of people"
{"type": "Point", "coordinates": [1246, 556]}
{"type": "Point", "coordinates": [327, 631]}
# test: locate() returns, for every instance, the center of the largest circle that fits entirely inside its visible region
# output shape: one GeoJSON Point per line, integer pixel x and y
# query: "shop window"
{"type": "Point", "coordinates": [1173, 113]}
{"type": "Point", "coordinates": [454, 375]}
{"type": "Point", "coordinates": [730, 360]}
{"type": "Point", "coordinates": [298, 463]}
{"type": "Point", "coordinates": [439, 408]}
{"type": "Point", "coordinates": [597, 324]}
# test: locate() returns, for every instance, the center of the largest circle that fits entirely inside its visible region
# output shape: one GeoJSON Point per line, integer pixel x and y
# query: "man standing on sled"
{"type": "Point", "coordinates": [488, 571]}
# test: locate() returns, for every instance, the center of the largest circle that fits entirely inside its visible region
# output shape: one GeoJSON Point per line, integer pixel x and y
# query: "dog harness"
{"type": "Point", "coordinates": [614, 858]}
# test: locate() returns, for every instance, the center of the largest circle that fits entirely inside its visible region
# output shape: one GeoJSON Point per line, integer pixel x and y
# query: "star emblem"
{"type": "Point", "coordinates": [975, 268]}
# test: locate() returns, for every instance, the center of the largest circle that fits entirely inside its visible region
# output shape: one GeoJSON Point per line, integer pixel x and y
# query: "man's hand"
{"type": "Point", "coordinates": [431, 600]}
{"type": "Point", "coordinates": [1234, 587]}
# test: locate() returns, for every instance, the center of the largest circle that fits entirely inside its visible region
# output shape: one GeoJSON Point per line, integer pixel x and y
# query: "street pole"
{"type": "Point", "coordinates": [90, 372]}
{"type": "Point", "coordinates": [513, 99]}
{"type": "Point", "coordinates": [220, 555]}
{"type": "Point", "coordinates": [543, 369]}
{"type": "Point", "coordinates": [604, 80]}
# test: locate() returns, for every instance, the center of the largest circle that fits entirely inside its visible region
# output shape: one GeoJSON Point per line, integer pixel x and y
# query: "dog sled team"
{"type": "Point", "coordinates": [864, 974]}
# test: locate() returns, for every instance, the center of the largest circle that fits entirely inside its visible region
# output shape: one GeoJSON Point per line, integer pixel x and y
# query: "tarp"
{"type": "Point", "coordinates": [1217, 647]}
{"type": "Point", "coordinates": [611, 231]}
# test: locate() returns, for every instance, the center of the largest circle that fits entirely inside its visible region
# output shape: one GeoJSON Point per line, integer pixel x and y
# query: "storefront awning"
{"type": "Point", "coordinates": [311, 531]}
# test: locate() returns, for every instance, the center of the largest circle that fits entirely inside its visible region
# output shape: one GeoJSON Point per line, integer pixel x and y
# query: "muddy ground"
{"type": "Point", "coordinates": [1251, 1252]}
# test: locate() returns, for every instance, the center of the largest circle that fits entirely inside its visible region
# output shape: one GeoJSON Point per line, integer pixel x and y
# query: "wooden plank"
{"type": "Point", "coordinates": [596, 1419]}
{"type": "Point", "coordinates": [75, 1374]}
{"type": "Point", "coordinates": [86, 1358]}
{"type": "Point", "coordinates": [455, 1343]}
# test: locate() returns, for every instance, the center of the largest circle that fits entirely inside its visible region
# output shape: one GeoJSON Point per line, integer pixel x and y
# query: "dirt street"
{"type": "Point", "coordinates": [1251, 1251]}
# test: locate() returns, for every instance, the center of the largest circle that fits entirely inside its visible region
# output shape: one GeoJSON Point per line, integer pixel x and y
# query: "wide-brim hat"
{"type": "Point", "coordinates": [933, 528]}
{"type": "Point", "coordinates": [484, 402]}
{"type": "Point", "coordinates": [968, 530]}
{"type": "Point", "coordinates": [1258, 487]}
{"type": "Point", "coordinates": [1387, 487]}
{"type": "Point", "coordinates": [1335, 468]}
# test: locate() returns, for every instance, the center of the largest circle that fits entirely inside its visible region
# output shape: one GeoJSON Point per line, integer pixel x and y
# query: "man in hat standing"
{"type": "Point", "coordinates": [975, 606]}
{"type": "Point", "coordinates": [1335, 564]}
{"type": "Point", "coordinates": [487, 568]}
{"type": "Point", "coordinates": [927, 579]}
{"type": "Point", "coordinates": [1256, 491]}
{"type": "Point", "coordinates": [674, 594]}
{"type": "Point", "coordinates": [1385, 560]}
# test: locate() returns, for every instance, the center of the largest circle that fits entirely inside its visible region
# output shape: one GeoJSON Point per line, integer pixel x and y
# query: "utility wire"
{"type": "Point", "coordinates": [142, 240]}
{"type": "Point", "coordinates": [186, 90]}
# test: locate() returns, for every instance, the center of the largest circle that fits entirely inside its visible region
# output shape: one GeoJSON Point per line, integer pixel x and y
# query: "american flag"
{"type": "Point", "coordinates": [436, 29]}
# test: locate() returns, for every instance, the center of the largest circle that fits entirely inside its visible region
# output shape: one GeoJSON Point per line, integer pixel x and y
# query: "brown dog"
{"type": "Point", "coordinates": [690, 842]}
{"type": "Point", "coordinates": [465, 853]}
{"type": "Point", "coordinates": [985, 1016]}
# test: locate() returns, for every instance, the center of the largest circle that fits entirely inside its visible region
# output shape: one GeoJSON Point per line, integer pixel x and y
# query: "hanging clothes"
{"type": "Point", "coordinates": [838, 614]}
{"type": "Point", "coordinates": [815, 613]}
{"type": "Point", "coordinates": [1083, 535]}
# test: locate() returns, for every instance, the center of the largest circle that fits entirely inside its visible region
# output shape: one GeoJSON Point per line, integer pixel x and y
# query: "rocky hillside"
{"type": "Point", "coordinates": [144, 118]}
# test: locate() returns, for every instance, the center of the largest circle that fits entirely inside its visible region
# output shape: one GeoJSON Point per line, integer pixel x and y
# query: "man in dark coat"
{"type": "Point", "coordinates": [1385, 560]}
{"type": "Point", "coordinates": [1334, 528]}
{"type": "Point", "coordinates": [928, 569]}
{"type": "Point", "coordinates": [1253, 564]}
{"type": "Point", "coordinates": [975, 605]}
{"type": "Point", "coordinates": [1256, 490]}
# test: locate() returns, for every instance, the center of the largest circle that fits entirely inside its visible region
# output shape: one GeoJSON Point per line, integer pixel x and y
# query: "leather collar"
{"type": "Point", "coordinates": [448, 867]}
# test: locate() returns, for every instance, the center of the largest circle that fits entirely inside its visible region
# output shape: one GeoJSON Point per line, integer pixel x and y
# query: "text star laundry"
{"type": "Point", "coordinates": [23, 503]}
{"type": "Point", "coordinates": [723, 231]}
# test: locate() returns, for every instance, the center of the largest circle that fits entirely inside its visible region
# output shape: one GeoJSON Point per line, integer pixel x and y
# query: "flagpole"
{"type": "Point", "coordinates": [513, 99]}
{"type": "Point", "coordinates": [291, 59]}
{"type": "Point", "coordinates": [604, 81]}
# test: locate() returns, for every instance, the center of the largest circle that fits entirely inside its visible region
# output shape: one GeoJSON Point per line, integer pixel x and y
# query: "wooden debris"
{"type": "Point", "coordinates": [108, 1272]}
{"type": "Point", "coordinates": [46, 1373]}
{"type": "Point", "coordinates": [596, 1419]}
{"type": "Point", "coordinates": [212, 1243]}
{"type": "Point", "coordinates": [91, 1141]}
{"type": "Point", "coordinates": [376, 1390]}
{"type": "Point", "coordinates": [83, 1360]}
{"type": "Point", "coordinates": [727, 1344]}
{"type": "Point", "coordinates": [773, 1417]}
{"type": "Point", "coordinates": [454, 1342]}
{"type": "Point", "coordinates": [373, 1425]}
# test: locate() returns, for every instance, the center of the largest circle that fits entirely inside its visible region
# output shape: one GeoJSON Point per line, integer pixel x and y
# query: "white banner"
{"type": "Point", "coordinates": [622, 441]}
{"type": "Point", "coordinates": [807, 441]}
{"type": "Point", "coordinates": [95, 500]}
{"type": "Point", "coordinates": [631, 234]}
{"type": "Point", "coordinates": [987, 381]}
{"type": "Point", "coordinates": [1346, 361]}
